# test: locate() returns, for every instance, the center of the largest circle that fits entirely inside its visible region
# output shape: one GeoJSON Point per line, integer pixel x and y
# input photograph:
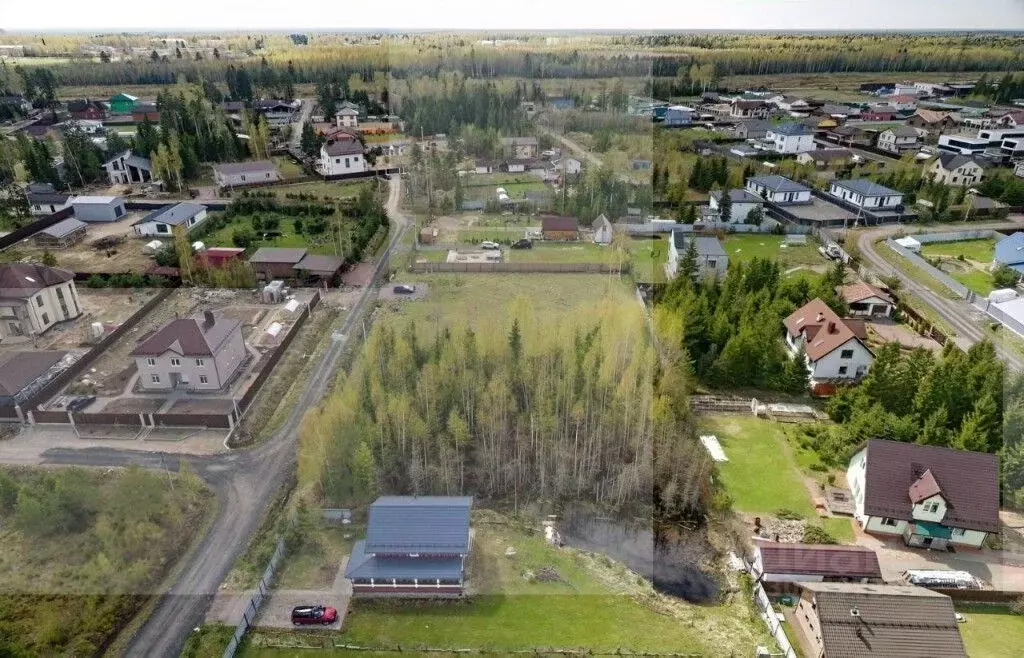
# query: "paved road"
{"type": "Point", "coordinates": [967, 320]}
{"type": "Point", "coordinates": [244, 482]}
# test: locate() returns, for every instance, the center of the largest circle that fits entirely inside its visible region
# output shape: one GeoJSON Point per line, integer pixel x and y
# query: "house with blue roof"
{"type": "Point", "coordinates": [791, 137]}
{"type": "Point", "coordinates": [679, 115]}
{"type": "Point", "coordinates": [163, 220]}
{"type": "Point", "coordinates": [415, 547]}
{"type": "Point", "coordinates": [1010, 251]}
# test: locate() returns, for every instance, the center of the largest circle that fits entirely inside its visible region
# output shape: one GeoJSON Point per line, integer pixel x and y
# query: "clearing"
{"type": "Point", "coordinates": [648, 259]}
{"type": "Point", "coordinates": [991, 631]}
{"type": "Point", "coordinates": [279, 230]}
{"type": "Point", "coordinates": [745, 247]}
{"type": "Point", "coordinates": [967, 261]}
{"type": "Point", "coordinates": [564, 252]}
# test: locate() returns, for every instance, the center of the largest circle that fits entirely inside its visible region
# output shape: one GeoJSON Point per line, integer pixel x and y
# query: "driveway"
{"type": "Point", "coordinates": [277, 611]}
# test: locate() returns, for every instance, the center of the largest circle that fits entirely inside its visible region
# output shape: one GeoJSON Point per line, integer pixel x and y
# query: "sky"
{"type": "Point", "coordinates": [312, 15]}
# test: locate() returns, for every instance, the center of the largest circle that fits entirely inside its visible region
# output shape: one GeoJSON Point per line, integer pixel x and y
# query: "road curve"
{"type": "Point", "coordinates": [957, 312]}
{"type": "Point", "coordinates": [245, 483]}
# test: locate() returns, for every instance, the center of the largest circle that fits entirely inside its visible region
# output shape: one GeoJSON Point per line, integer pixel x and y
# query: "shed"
{"type": "Point", "coordinates": [62, 234]}
{"type": "Point", "coordinates": [163, 220]}
{"type": "Point", "coordinates": [276, 262]}
{"type": "Point", "coordinates": [909, 243]}
{"type": "Point", "coordinates": [98, 208]}
{"type": "Point", "coordinates": [315, 266]}
{"type": "Point", "coordinates": [220, 256]}
{"type": "Point", "coordinates": [559, 227]}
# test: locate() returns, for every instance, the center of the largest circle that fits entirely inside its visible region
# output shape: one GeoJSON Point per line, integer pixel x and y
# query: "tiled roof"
{"type": "Point", "coordinates": [969, 482]}
{"type": "Point", "coordinates": [952, 161]}
{"type": "Point", "coordinates": [559, 223]}
{"type": "Point", "coordinates": [188, 337]}
{"type": "Point", "coordinates": [819, 560]}
{"type": "Point", "coordinates": [931, 116]}
{"type": "Point", "coordinates": [924, 487]}
{"type": "Point", "coordinates": [825, 330]}
{"type": "Point", "coordinates": [419, 524]}
{"type": "Point", "coordinates": [32, 277]}
{"type": "Point", "coordinates": [860, 291]}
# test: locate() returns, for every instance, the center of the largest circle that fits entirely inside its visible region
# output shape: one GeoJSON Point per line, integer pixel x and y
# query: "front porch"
{"type": "Point", "coordinates": [925, 534]}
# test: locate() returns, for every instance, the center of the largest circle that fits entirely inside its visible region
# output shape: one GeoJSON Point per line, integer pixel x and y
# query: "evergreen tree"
{"type": "Point", "coordinates": [725, 206]}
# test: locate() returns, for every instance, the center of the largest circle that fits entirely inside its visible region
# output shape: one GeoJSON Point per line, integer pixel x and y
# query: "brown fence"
{"type": "Point", "coordinates": [63, 379]}
{"type": "Point", "coordinates": [545, 268]}
{"type": "Point", "coordinates": [921, 324]}
{"type": "Point", "coordinates": [135, 420]}
{"type": "Point", "coordinates": [41, 416]}
{"type": "Point", "coordinates": [220, 421]}
{"type": "Point", "coordinates": [994, 596]}
{"type": "Point", "coordinates": [271, 361]}
{"type": "Point", "coordinates": [16, 236]}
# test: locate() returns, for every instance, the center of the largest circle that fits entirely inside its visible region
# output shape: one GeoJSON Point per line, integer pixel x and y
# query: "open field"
{"type": "Point", "coordinates": [325, 190]}
{"type": "Point", "coordinates": [991, 631]}
{"type": "Point", "coordinates": [322, 243]}
{"type": "Point", "coordinates": [973, 258]}
{"type": "Point", "coordinates": [744, 247]}
{"type": "Point", "coordinates": [84, 550]}
{"type": "Point", "coordinates": [649, 257]}
{"type": "Point", "coordinates": [563, 252]}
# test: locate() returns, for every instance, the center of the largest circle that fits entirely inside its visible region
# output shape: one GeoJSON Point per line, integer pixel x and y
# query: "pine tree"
{"type": "Point", "coordinates": [515, 341]}
{"type": "Point", "coordinates": [725, 206]}
{"type": "Point", "coordinates": [688, 269]}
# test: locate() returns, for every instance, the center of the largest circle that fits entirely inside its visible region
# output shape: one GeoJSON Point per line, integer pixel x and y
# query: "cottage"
{"type": "Point", "coordinates": [864, 193]}
{"type": "Point", "coordinates": [712, 262]}
{"type": "Point", "coordinates": [778, 189]}
{"type": "Point", "coordinates": [198, 353]}
{"type": "Point", "coordinates": [742, 204]}
{"type": "Point", "coordinates": [790, 138]}
{"type": "Point", "coordinates": [752, 129]}
{"type": "Point", "coordinates": [340, 157]}
{"type": "Point", "coordinates": [276, 112]}
{"type": "Point", "coordinates": [569, 166]}
{"type": "Point", "coordinates": [932, 497]}
{"type": "Point", "coordinates": [347, 117]}
{"type": "Point", "coordinates": [145, 112]}
{"type": "Point", "coordinates": [34, 297]}
{"type": "Point", "coordinates": [865, 620]}
{"type": "Point", "coordinates": [834, 348]}
{"type": "Point", "coordinates": [161, 222]}
{"type": "Point", "coordinates": [122, 103]}
{"type": "Point", "coordinates": [276, 262]}
{"type": "Point", "coordinates": [867, 300]}
{"type": "Point", "coordinates": [98, 208]}
{"type": "Point", "coordinates": [932, 121]}
{"type": "Point", "coordinates": [679, 115]}
{"type": "Point", "coordinates": [878, 113]}
{"type": "Point", "coordinates": [87, 110]}
{"type": "Point", "coordinates": [838, 111]}
{"type": "Point", "coordinates": [1014, 119]}
{"type": "Point", "coordinates": [776, 563]}
{"type": "Point", "coordinates": [44, 200]}
{"type": "Point", "coordinates": [849, 136]}
{"type": "Point", "coordinates": [22, 373]}
{"type": "Point", "coordinates": [61, 235]}
{"type": "Point", "coordinates": [235, 174]}
{"type": "Point", "coordinates": [519, 147]}
{"type": "Point", "coordinates": [826, 157]}
{"type": "Point", "coordinates": [559, 227]}
{"type": "Point", "coordinates": [749, 109]}
{"type": "Point", "coordinates": [898, 140]}
{"type": "Point", "coordinates": [602, 230]}
{"type": "Point", "coordinates": [127, 168]}
{"type": "Point", "coordinates": [955, 169]}
{"type": "Point", "coordinates": [220, 256]}
{"type": "Point", "coordinates": [318, 268]}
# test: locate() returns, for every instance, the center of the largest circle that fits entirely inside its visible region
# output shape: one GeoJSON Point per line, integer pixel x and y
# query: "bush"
{"type": "Point", "coordinates": [96, 281]}
{"type": "Point", "coordinates": [815, 535]}
{"type": "Point", "coordinates": [788, 514]}
{"type": "Point", "coordinates": [243, 237]}
{"type": "Point", "coordinates": [1017, 607]}
{"type": "Point", "coordinates": [157, 281]}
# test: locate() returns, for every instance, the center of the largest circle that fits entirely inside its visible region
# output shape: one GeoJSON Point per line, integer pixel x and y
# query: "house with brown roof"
{"type": "Point", "coordinates": [35, 297]}
{"type": "Point", "coordinates": [932, 497]}
{"type": "Point", "coordinates": [867, 300]}
{"type": "Point", "coordinates": [932, 121]}
{"type": "Point", "coordinates": [319, 268]}
{"type": "Point", "coordinates": [276, 262]}
{"type": "Point", "coordinates": [834, 348]}
{"type": "Point", "coordinates": [742, 108]}
{"type": "Point", "coordinates": [776, 563]}
{"type": "Point", "coordinates": [560, 227]}
{"type": "Point", "coordinates": [849, 136]}
{"type": "Point", "coordinates": [854, 620]}
{"type": "Point", "coordinates": [201, 353]}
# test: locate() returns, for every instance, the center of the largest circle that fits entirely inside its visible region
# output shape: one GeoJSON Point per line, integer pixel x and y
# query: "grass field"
{"type": "Point", "coordinates": [570, 252]}
{"type": "Point", "coordinates": [501, 234]}
{"type": "Point", "coordinates": [326, 190]}
{"type": "Point", "coordinates": [287, 167]}
{"type": "Point", "coordinates": [744, 247]}
{"type": "Point", "coordinates": [648, 259]}
{"type": "Point", "coordinates": [975, 257]}
{"type": "Point", "coordinates": [915, 273]}
{"type": "Point", "coordinates": [991, 631]}
{"type": "Point", "coordinates": [317, 244]}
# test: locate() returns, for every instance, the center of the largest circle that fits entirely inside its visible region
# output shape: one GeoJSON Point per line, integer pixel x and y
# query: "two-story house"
{"type": "Point", "coordinates": [712, 261]}
{"type": "Point", "coordinates": [929, 495]}
{"type": "Point", "coordinates": [899, 139]}
{"type": "Point", "coordinates": [835, 349]}
{"type": "Point", "coordinates": [126, 168]}
{"type": "Point", "coordinates": [778, 189]}
{"type": "Point", "coordinates": [932, 121]}
{"type": "Point", "coordinates": [955, 169]}
{"type": "Point", "coordinates": [749, 109]}
{"type": "Point", "coordinates": [343, 156]}
{"type": "Point", "coordinates": [198, 353]}
{"type": "Point", "coordinates": [519, 148]}
{"type": "Point", "coordinates": [235, 174]}
{"type": "Point", "coordinates": [790, 138]}
{"type": "Point", "coordinates": [742, 203]}
{"type": "Point", "coordinates": [679, 115]}
{"type": "Point", "coordinates": [163, 220]}
{"type": "Point", "coordinates": [34, 297]}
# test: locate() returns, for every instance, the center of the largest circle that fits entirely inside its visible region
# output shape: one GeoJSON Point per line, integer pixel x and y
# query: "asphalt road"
{"type": "Point", "coordinates": [958, 313]}
{"type": "Point", "coordinates": [245, 482]}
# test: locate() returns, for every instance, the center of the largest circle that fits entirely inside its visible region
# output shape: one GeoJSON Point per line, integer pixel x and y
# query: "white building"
{"type": "Point", "coordinates": [161, 222]}
{"type": "Point", "coordinates": [778, 189]}
{"type": "Point", "coordinates": [341, 157]}
{"type": "Point", "coordinates": [899, 139]}
{"type": "Point", "coordinates": [34, 297]}
{"type": "Point", "coordinates": [128, 169]}
{"type": "Point", "coordinates": [865, 193]}
{"type": "Point", "coordinates": [712, 261]}
{"type": "Point", "coordinates": [955, 169]}
{"type": "Point", "coordinates": [834, 347]}
{"type": "Point", "coordinates": [867, 300]}
{"type": "Point", "coordinates": [234, 174]}
{"type": "Point", "coordinates": [602, 230]}
{"type": "Point", "coordinates": [347, 117]}
{"type": "Point", "coordinates": [790, 138]}
{"type": "Point", "coordinates": [929, 495]}
{"type": "Point", "coordinates": [98, 208]}
{"type": "Point", "coordinates": [743, 202]}
{"type": "Point", "coordinates": [569, 166]}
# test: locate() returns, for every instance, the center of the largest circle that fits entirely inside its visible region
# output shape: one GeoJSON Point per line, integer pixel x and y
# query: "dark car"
{"type": "Point", "coordinates": [523, 244]}
{"type": "Point", "coordinates": [81, 403]}
{"type": "Point", "coordinates": [403, 289]}
{"type": "Point", "coordinates": [314, 614]}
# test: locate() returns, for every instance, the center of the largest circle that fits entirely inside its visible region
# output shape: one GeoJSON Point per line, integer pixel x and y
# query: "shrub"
{"type": "Point", "coordinates": [157, 281]}
{"type": "Point", "coordinates": [136, 281]}
{"type": "Point", "coordinates": [96, 281]}
{"type": "Point", "coordinates": [815, 535]}
{"type": "Point", "coordinates": [788, 514]}
{"type": "Point", "coordinates": [243, 237]}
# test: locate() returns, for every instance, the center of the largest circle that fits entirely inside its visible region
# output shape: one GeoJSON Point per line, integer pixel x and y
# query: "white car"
{"type": "Point", "coordinates": [487, 244]}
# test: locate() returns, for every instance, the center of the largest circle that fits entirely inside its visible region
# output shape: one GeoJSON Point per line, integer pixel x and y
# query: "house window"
{"type": "Point", "coordinates": [842, 370]}
{"type": "Point", "coordinates": [346, 163]}
{"type": "Point", "coordinates": [46, 319]}
{"type": "Point", "coordinates": [150, 362]}
{"type": "Point", "coordinates": [712, 264]}
{"type": "Point", "coordinates": [200, 363]}
{"type": "Point", "coordinates": [959, 532]}
{"type": "Point", "coordinates": [243, 178]}
{"type": "Point", "coordinates": [890, 523]}
{"type": "Point", "coordinates": [162, 228]}
{"type": "Point", "coordinates": [203, 379]}
{"type": "Point", "coordinates": [931, 507]}
{"type": "Point", "coordinates": [175, 362]}
{"type": "Point", "coordinates": [846, 354]}
{"type": "Point", "coordinates": [118, 211]}
{"type": "Point", "coordinates": [39, 301]}
{"type": "Point", "coordinates": [955, 179]}
{"type": "Point", "coordinates": [155, 379]}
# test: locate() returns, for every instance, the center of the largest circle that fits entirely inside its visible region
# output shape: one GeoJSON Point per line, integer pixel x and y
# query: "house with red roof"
{"type": "Point", "coordinates": [932, 497]}
{"type": "Point", "coordinates": [835, 348]}
{"type": "Point", "coordinates": [201, 353]}
{"type": "Point", "coordinates": [867, 300]}
{"type": "Point", "coordinates": [776, 564]}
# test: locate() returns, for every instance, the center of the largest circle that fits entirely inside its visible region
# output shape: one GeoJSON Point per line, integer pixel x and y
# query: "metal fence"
{"type": "Point", "coordinates": [253, 609]}
{"type": "Point", "coordinates": [775, 627]}
{"type": "Point", "coordinates": [958, 236]}
{"type": "Point", "coordinates": [923, 265]}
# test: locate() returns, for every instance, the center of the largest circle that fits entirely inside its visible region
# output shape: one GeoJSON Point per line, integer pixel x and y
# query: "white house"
{"type": "Point", "coordinates": [1018, 170]}
{"type": "Point", "coordinates": [790, 138]}
{"type": "Point", "coordinates": [196, 353]}
{"type": "Point", "coordinates": [865, 193]}
{"type": "Point", "coordinates": [43, 199]}
{"type": "Point", "coordinates": [234, 174]}
{"type": "Point", "coordinates": [98, 208]}
{"type": "Point", "coordinates": [834, 347]}
{"type": "Point", "coordinates": [954, 169]}
{"type": "Point", "coordinates": [569, 166]}
{"type": "Point", "coordinates": [126, 168]}
{"type": "Point", "coordinates": [899, 139]}
{"type": "Point", "coordinates": [521, 148]}
{"type": "Point", "coordinates": [347, 117]}
{"type": "Point", "coordinates": [35, 297]}
{"type": "Point", "coordinates": [778, 189]}
{"type": "Point", "coordinates": [743, 202]}
{"type": "Point", "coordinates": [929, 495]}
{"type": "Point", "coordinates": [867, 300]}
{"type": "Point", "coordinates": [161, 222]}
{"type": "Point", "coordinates": [343, 156]}
{"type": "Point", "coordinates": [602, 230]}
{"type": "Point", "coordinates": [712, 260]}
{"type": "Point", "coordinates": [776, 562]}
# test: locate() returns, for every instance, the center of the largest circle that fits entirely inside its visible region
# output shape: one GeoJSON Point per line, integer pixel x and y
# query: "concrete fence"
{"type": "Point", "coordinates": [253, 608]}
{"type": "Point", "coordinates": [775, 627]}
{"type": "Point", "coordinates": [923, 265]}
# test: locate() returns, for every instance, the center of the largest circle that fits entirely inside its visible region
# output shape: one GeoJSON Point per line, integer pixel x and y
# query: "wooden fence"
{"type": "Point", "coordinates": [521, 268]}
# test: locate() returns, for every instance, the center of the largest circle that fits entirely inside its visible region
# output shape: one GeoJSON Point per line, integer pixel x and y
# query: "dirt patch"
{"type": "Point", "coordinates": [132, 406]}
{"type": "Point", "coordinates": [359, 275]}
{"type": "Point", "coordinates": [87, 256]}
{"type": "Point", "coordinates": [888, 331]}
{"type": "Point", "coordinates": [201, 406]}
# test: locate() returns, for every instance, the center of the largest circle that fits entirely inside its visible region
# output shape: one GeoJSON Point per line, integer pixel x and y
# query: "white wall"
{"type": "Point", "coordinates": [920, 514]}
{"type": "Point", "coordinates": [341, 164]}
{"type": "Point", "coordinates": [827, 367]}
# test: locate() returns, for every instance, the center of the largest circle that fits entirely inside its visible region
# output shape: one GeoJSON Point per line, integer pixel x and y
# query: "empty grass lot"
{"type": "Point", "coordinates": [569, 252]}
{"type": "Point", "coordinates": [745, 247]}
{"type": "Point", "coordinates": [991, 631]}
{"type": "Point", "coordinates": [287, 167]}
{"type": "Point", "coordinates": [648, 259]}
{"type": "Point", "coordinates": [321, 189]}
{"type": "Point", "coordinates": [977, 257]}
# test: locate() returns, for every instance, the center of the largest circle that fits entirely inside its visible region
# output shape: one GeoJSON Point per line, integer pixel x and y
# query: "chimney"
{"type": "Point", "coordinates": [821, 316]}
{"type": "Point", "coordinates": [208, 319]}
{"type": "Point", "coordinates": [832, 327]}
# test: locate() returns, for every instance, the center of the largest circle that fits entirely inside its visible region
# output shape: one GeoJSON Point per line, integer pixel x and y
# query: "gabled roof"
{"type": "Point", "coordinates": [952, 161]}
{"type": "Point", "coordinates": [794, 129]}
{"type": "Point", "coordinates": [102, 200]}
{"type": "Point", "coordinates": [343, 147]}
{"type": "Point", "coordinates": [856, 292]}
{"type": "Point", "coordinates": [43, 199]}
{"type": "Point", "coordinates": [924, 487]}
{"type": "Point", "coordinates": [363, 566]}
{"type": "Point", "coordinates": [825, 331]}
{"type": "Point", "coordinates": [738, 195]}
{"type": "Point", "coordinates": [30, 278]}
{"type": "Point", "coordinates": [827, 155]}
{"type": "Point", "coordinates": [1010, 250]}
{"type": "Point", "coordinates": [848, 131]}
{"type": "Point", "coordinates": [600, 222]}
{"type": "Point", "coordinates": [174, 215]}
{"type": "Point", "coordinates": [890, 621]}
{"type": "Point", "coordinates": [319, 264]}
{"type": "Point", "coordinates": [706, 246]}
{"type": "Point", "coordinates": [902, 131]}
{"type": "Point", "coordinates": [258, 166]}
{"type": "Point", "coordinates": [969, 482]}
{"type": "Point", "coordinates": [419, 524]}
{"type": "Point", "coordinates": [931, 116]}
{"type": "Point", "coordinates": [19, 369]}
{"type": "Point", "coordinates": [866, 187]}
{"type": "Point", "coordinates": [188, 337]}
{"type": "Point", "coordinates": [291, 256]}
{"type": "Point", "coordinates": [559, 223]}
{"type": "Point", "coordinates": [819, 560]}
{"type": "Point", "coordinates": [776, 183]}
{"type": "Point", "coordinates": [63, 228]}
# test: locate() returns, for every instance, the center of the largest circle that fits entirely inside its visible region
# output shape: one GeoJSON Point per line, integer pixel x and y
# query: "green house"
{"type": "Point", "coordinates": [122, 103]}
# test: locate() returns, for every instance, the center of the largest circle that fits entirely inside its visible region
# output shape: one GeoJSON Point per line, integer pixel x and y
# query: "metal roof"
{"type": "Point", "coordinates": [1010, 251]}
{"type": "Point", "coordinates": [419, 524]}
{"type": "Point", "coordinates": [278, 255]}
{"type": "Point", "coordinates": [320, 264]}
{"type": "Point", "coordinates": [820, 560]}
{"type": "Point", "coordinates": [173, 215]}
{"type": "Point", "coordinates": [705, 246]}
{"type": "Point", "coordinates": [776, 183]}
{"type": "Point", "coordinates": [737, 195]}
{"type": "Point", "coordinates": [866, 187]}
{"type": "Point", "coordinates": [64, 227]}
{"type": "Point", "coordinates": [189, 337]}
{"type": "Point", "coordinates": [104, 200]}
{"type": "Point", "coordinates": [19, 369]}
{"type": "Point", "coordinates": [230, 168]}
{"type": "Point", "coordinates": [791, 129]}
{"type": "Point", "coordinates": [363, 565]}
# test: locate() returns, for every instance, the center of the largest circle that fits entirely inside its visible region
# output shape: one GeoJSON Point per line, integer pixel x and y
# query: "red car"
{"type": "Point", "coordinates": [314, 614]}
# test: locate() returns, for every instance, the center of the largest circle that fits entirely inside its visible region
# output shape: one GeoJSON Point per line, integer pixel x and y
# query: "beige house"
{"type": "Point", "coordinates": [34, 297]}
{"type": "Point", "coordinates": [198, 353]}
{"type": "Point", "coordinates": [955, 169]}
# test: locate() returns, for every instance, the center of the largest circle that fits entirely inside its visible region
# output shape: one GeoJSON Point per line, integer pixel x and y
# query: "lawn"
{"type": "Point", "coordinates": [991, 631]}
{"type": "Point", "coordinates": [594, 603]}
{"type": "Point", "coordinates": [500, 234]}
{"type": "Point", "coordinates": [563, 252]}
{"type": "Point", "coordinates": [974, 255]}
{"type": "Point", "coordinates": [744, 247]}
{"type": "Point", "coordinates": [287, 167]}
{"type": "Point", "coordinates": [326, 190]}
{"type": "Point", "coordinates": [317, 244]}
{"type": "Point", "coordinates": [648, 259]}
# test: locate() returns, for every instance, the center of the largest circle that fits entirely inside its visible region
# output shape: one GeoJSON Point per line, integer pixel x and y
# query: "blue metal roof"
{"type": "Point", "coordinates": [363, 565]}
{"type": "Point", "coordinates": [866, 187]}
{"type": "Point", "coordinates": [790, 129]}
{"type": "Point", "coordinates": [419, 524]}
{"type": "Point", "coordinates": [1010, 251]}
{"type": "Point", "coordinates": [173, 215]}
{"type": "Point", "coordinates": [776, 183]}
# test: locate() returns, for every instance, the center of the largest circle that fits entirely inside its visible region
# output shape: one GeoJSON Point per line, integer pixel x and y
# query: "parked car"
{"type": "Point", "coordinates": [487, 244]}
{"type": "Point", "coordinates": [81, 403]}
{"type": "Point", "coordinates": [314, 614]}
{"type": "Point", "coordinates": [525, 243]}
{"type": "Point", "coordinates": [403, 289]}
